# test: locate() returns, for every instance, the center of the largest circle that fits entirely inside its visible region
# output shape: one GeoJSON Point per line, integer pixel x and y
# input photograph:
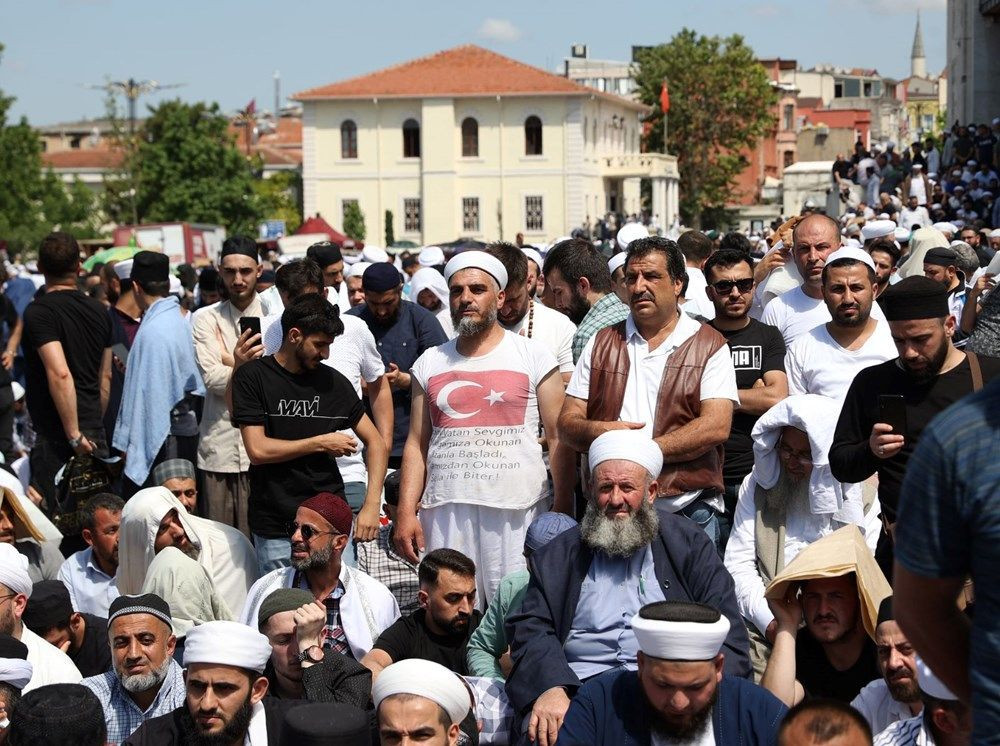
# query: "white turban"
{"type": "Point", "coordinates": [849, 252]}
{"type": "Point", "coordinates": [534, 256]}
{"type": "Point", "coordinates": [877, 229]}
{"type": "Point", "coordinates": [618, 260]}
{"type": "Point", "coordinates": [16, 672]}
{"type": "Point", "coordinates": [631, 232]}
{"type": "Point", "coordinates": [14, 570]}
{"type": "Point", "coordinates": [678, 640]}
{"type": "Point", "coordinates": [930, 684]}
{"type": "Point", "coordinates": [477, 260]}
{"type": "Point", "coordinates": [428, 278]}
{"type": "Point", "coordinates": [374, 254]}
{"type": "Point", "coordinates": [227, 644]}
{"type": "Point", "coordinates": [427, 679]}
{"type": "Point", "coordinates": [627, 445]}
{"type": "Point", "coordinates": [358, 268]}
{"type": "Point", "coordinates": [430, 256]}
{"type": "Point", "coordinates": [901, 234]}
{"type": "Point", "coordinates": [944, 227]}
{"type": "Point", "coordinates": [123, 269]}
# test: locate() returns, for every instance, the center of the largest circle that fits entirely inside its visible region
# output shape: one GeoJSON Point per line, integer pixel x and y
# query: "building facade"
{"type": "Point", "coordinates": [973, 51]}
{"type": "Point", "coordinates": [469, 143]}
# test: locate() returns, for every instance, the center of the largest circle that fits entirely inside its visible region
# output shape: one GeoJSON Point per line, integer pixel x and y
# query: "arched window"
{"type": "Point", "coordinates": [348, 139]}
{"type": "Point", "coordinates": [411, 139]}
{"type": "Point", "coordinates": [470, 138]}
{"type": "Point", "coordinates": [532, 136]}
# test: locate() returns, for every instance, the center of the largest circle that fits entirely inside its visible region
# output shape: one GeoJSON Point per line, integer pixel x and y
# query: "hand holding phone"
{"type": "Point", "coordinates": [250, 322]}
{"type": "Point", "coordinates": [250, 345]}
{"type": "Point", "coordinates": [889, 433]}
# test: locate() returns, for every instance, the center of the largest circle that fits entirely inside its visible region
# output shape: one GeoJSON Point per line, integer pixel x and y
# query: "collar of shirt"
{"type": "Point", "coordinates": [299, 580]}
{"type": "Point", "coordinates": [257, 730]}
{"type": "Point", "coordinates": [120, 696]}
{"type": "Point", "coordinates": [91, 567]}
{"type": "Point", "coordinates": [685, 328]}
{"type": "Point", "coordinates": [234, 314]}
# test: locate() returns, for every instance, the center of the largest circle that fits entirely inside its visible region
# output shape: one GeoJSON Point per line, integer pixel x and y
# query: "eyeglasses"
{"type": "Point", "coordinates": [725, 287]}
{"type": "Point", "coordinates": [307, 531]}
{"type": "Point", "coordinates": [190, 492]}
{"type": "Point", "coordinates": [788, 454]}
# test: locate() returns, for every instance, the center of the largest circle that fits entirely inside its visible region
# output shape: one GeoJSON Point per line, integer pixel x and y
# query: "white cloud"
{"type": "Point", "coordinates": [499, 29]}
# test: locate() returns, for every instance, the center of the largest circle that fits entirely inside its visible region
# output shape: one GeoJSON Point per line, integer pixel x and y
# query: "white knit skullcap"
{"type": "Point", "coordinates": [533, 256]}
{"type": "Point", "coordinates": [227, 644]}
{"type": "Point", "coordinates": [424, 678]}
{"type": "Point", "coordinates": [631, 232]}
{"type": "Point", "coordinates": [627, 445]}
{"type": "Point", "coordinates": [618, 260]}
{"type": "Point", "coordinates": [877, 229]}
{"type": "Point", "coordinates": [477, 260]}
{"type": "Point", "coordinates": [374, 254]}
{"type": "Point", "coordinates": [358, 268]}
{"type": "Point", "coordinates": [848, 252]}
{"type": "Point", "coordinates": [430, 256]}
{"type": "Point", "coordinates": [14, 570]}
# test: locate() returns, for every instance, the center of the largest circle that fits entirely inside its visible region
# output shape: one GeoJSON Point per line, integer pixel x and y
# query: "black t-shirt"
{"type": "Point", "coordinates": [291, 407]}
{"type": "Point", "coordinates": [408, 637]}
{"type": "Point", "coordinates": [81, 325]}
{"type": "Point", "coordinates": [757, 349]}
{"type": "Point", "coordinates": [842, 168]}
{"type": "Point", "coordinates": [851, 460]}
{"type": "Point", "coordinates": [94, 655]}
{"type": "Point", "coordinates": [8, 315]}
{"type": "Point", "coordinates": [820, 679]}
{"type": "Point", "coordinates": [984, 149]}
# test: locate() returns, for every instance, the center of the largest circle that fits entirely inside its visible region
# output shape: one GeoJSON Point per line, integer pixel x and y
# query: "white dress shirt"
{"type": "Point", "coordinates": [878, 707]}
{"type": "Point", "coordinates": [91, 590]}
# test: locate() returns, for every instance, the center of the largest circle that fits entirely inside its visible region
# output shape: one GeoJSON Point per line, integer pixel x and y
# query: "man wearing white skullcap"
{"type": "Point", "coordinates": [355, 293]}
{"type": "Point", "coordinates": [679, 695]}
{"type": "Point", "coordinates": [431, 256]}
{"type": "Point", "coordinates": [616, 265]}
{"type": "Point", "coordinates": [629, 233]}
{"type": "Point", "coordinates": [877, 229]}
{"type": "Point", "coordinates": [914, 215]}
{"type": "Point", "coordinates": [51, 665]}
{"type": "Point", "coordinates": [226, 690]}
{"type": "Point", "coordinates": [944, 721]}
{"type": "Point", "coordinates": [535, 264]}
{"type": "Point", "coordinates": [421, 700]}
{"type": "Point", "coordinates": [472, 459]}
{"type": "Point", "coordinates": [586, 584]}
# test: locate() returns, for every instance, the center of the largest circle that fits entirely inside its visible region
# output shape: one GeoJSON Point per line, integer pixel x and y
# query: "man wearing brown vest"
{"type": "Point", "coordinates": [661, 372]}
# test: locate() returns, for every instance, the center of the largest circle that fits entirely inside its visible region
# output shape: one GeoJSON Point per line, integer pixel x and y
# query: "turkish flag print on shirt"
{"type": "Point", "coordinates": [466, 398]}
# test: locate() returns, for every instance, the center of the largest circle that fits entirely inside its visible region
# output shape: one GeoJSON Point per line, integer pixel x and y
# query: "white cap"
{"type": "Point", "coordinates": [680, 640]}
{"type": "Point", "coordinates": [945, 227]}
{"type": "Point", "coordinates": [902, 234]}
{"type": "Point", "coordinates": [17, 389]}
{"type": "Point", "coordinates": [631, 232]}
{"type": "Point", "coordinates": [478, 260]}
{"type": "Point", "coordinates": [618, 260]}
{"type": "Point", "coordinates": [845, 252]}
{"type": "Point", "coordinates": [852, 243]}
{"type": "Point", "coordinates": [358, 268]}
{"type": "Point", "coordinates": [877, 229]}
{"type": "Point", "coordinates": [626, 445]}
{"type": "Point", "coordinates": [534, 256]}
{"type": "Point", "coordinates": [995, 233]}
{"type": "Point", "coordinates": [175, 285]}
{"type": "Point", "coordinates": [374, 254]}
{"type": "Point", "coordinates": [427, 679]}
{"type": "Point", "coordinates": [227, 644]}
{"type": "Point", "coordinates": [430, 256]}
{"type": "Point", "coordinates": [124, 269]}
{"type": "Point", "coordinates": [930, 684]}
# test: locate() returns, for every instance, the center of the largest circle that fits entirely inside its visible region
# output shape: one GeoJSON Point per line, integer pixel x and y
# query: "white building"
{"type": "Point", "coordinates": [973, 52]}
{"type": "Point", "coordinates": [469, 143]}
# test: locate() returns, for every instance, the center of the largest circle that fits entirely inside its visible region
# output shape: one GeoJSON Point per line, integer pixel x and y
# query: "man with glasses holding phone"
{"type": "Point", "coordinates": [358, 607]}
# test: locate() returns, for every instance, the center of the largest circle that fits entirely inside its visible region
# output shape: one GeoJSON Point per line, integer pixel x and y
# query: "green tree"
{"type": "Point", "coordinates": [184, 166]}
{"type": "Point", "coordinates": [276, 198]}
{"type": "Point", "coordinates": [390, 232]}
{"type": "Point", "coordinates": [721, 104]}
{"type": "Point", "coordinates": [354, 221]}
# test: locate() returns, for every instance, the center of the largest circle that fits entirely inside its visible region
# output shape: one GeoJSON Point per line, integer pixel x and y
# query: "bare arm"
{"type": "Point", "coordinates": [380, 397]}
{"type": "Point", "coordinates": [970, 311]}
{"type": "Point", "coordinates": [706, 431]}
{"type": "Point", "coordinates": [263, 449]}
{"type": "Point", "coordinates": [376, 460]}
{"type": "Point", "coordinates": [577, 432]}
{"type": "Point", "coordinates": [550, 393]}
{"type": "Point", "coordinates": [927, 611]}
{"type": "Point", "coordinates": [408, 535]}
{"type": "Point", "coordinates": [61, 386]}
{"type": "Point", "coordinates": [105, 380]}
{"type": "Point", "coordinates": [772, 388]}
{"type": "Point", "coordinates": [375, 660]}
{"type": "Point", "coordinates": [13, 342]}
{"type": "Point", "coordinates": [779, 676]}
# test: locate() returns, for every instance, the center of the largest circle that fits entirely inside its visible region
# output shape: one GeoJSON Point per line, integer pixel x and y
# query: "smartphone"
{"type": "Point", "coordinates": [892, 411]}
{"type": "Point", "coordinates": [120, 351]}
{"type": "Point", "coordinates": [250, 322]}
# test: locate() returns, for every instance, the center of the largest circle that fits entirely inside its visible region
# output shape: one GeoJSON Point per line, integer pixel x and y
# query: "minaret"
{"type": "Point", "coordinates": [918, 62]}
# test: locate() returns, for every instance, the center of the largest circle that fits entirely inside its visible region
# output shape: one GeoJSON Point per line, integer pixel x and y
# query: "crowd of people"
{"type": "Point", "coordinates": [711, 490]}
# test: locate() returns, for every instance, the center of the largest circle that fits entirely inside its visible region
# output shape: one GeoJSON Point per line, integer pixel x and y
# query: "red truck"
{"type": "Point", "coordinates": [184, 243]}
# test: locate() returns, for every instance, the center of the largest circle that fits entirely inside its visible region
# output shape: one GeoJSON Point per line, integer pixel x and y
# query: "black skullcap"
{"type": "Point", "coordinates": [58, 715]}
{"type": "Point", "coordinates": [941, 256]}
{"type": "Point", "coordinates": [916, 297]}
{"type": "Point", "coordinates": [49, 606]}
{"type": "Point", "coordinates": [326, 724]}
{"type": "Point", "coordinates": [11, 647]}
{"type": "Point", "coordinates": [680, 611]}
{"type": "Point", "coordinates": [381, 277]}
{"type": "Point", "coordinates": [391, 487]}
{"type": "Point", "coordinates": [208, 279]}
{"type": "Point", "coordinates": [885, 611]}
{"type": "Point", "coordinates": [147, 603]}
{"type": "Point", "coordinates": [242, 245]}
{"type": "Point", "coordinates": [282, 599]}
{"type": "Point", "coordinates": [324, 254]}
{"type": "Point", "coordinates": [150, 266]}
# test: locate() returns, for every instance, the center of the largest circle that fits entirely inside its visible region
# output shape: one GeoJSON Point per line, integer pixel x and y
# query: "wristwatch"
{"type": "Point", "coordinates": [74, 443]}
{"type": "Point", "coordinates": [313, 654]}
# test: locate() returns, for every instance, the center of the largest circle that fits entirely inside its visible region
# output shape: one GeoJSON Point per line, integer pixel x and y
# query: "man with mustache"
{"type": "Point", "coordinates": [440, 629]}
{"type": "Point", "coordinates": [587, 584]}
{"type": "Point", "coordinates": [825, 360]}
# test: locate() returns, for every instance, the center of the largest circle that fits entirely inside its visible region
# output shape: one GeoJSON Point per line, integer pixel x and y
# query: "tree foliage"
{"type": "Point", "coordinates": [390, 231]}
{"type": "Point", "coordinates": [721, 104]}
{"type": "Point", "coordinates": [275, 198]}
{"type": "Point", "coordinates": [354, 221]}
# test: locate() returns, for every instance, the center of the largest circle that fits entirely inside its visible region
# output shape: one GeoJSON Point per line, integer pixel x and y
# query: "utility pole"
{"type": "Point", "coordinates": [132, 89]}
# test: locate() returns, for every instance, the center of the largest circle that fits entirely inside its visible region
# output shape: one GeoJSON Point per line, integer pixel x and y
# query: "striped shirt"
{"type": "Point", "coordinates": [121, 714]}
{"type": "Point", "coordinates": [608, 311]}
{"type": "Point", "coordinates": [910, 732]}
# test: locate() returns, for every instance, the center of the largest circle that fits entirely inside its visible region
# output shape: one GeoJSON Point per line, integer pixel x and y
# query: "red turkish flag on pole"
{"type": "Point", "coordinates": [664, 98]}
{"type": "Point", "coordinates": [251, 107]}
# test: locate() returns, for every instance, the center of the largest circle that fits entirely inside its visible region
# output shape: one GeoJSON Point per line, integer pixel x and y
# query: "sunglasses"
{"type": "Point", "coordinates": [725, 287]}
{"type": "Point", "coordinates": [306, 530]}
{"type": "Point", "coordinates": [190, 492]}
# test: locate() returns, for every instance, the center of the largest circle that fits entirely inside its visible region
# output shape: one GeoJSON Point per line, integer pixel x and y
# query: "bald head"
{"type": "Point", "coordinates": [824, 722]}
{"type": "Point", "coordinates": [813, 240]}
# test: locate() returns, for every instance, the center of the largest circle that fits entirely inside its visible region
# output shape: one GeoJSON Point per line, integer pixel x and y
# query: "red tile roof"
{"type": "Point", "coordinates": [464, 71]}
{"type": "Point", "coordinates": [83, 160]}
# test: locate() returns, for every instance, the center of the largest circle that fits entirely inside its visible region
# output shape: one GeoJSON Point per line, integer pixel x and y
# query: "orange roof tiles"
{"type": "Point", "coordinates": [83, 159]}
{"type": "Point", "coordinates": [463, 71]}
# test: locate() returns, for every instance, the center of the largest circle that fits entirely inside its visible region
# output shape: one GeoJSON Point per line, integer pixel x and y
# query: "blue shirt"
{"type": "Point", "coordinates": [949, 527]}
{"type": "Point", "coordinates": [91, 590]}
{"type": "Point", "coordinates": [404, 340]}
{"type": "Point", "coordinates": [122, 714]}
{"type": "Point", "coordinates": [615, 589]}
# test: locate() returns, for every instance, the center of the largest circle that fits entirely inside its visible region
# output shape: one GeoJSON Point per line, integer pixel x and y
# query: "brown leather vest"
{"type": "Point", "coordinates": [677, 403]}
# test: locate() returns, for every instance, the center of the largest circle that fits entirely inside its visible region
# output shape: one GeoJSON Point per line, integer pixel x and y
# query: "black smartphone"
{"type": "Point", "coordinates": [892, 411]}
{"type": "Point", "coordinates": [250, 322]}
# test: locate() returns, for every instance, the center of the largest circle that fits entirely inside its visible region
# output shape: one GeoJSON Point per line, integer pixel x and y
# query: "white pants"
{"type": "Point", "coordinates": [493, 538]}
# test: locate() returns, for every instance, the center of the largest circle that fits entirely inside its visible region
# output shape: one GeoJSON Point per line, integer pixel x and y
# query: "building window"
{"type": "Point", "coordinates": [533, 213]}
{"type": "Point", "coordinates": [838, 89]}
{"type": "Point", "coordinates": [411, 139]}
{"type": "Point", "coordinates": [789, 158]}
{"type": "Point", "coordinates": [532, 136]}
{"type": "Point", "coordinates": [789, 117]}
{"type": "Point", "coordinates": [348, 139]}
{"type": "Point", "coordinates": [470, 214]}
{"type": "Point", "coordinates": [470, 138]}
{"type": "Point", "coordinates": [852, 87]}
{"type": "Point", "coordinates": [411, 215]}
{"type": "Point", "coordinates": [345, 205]}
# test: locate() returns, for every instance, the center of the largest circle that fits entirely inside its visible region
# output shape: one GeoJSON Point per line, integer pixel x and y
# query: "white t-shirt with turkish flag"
{"type": "Point", "coordinates": [484, 411]}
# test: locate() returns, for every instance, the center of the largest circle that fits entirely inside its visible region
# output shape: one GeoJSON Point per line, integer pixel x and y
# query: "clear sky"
{"type": "Point", "coordinates": [228, 51]}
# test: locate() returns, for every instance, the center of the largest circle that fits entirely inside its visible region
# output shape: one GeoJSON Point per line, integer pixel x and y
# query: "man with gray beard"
{"type": "Point", "coordinates": [145, 680]}
{"type": "Point", "coordinates": [588, 583]}
{"type": "Point", "coordinates": [788, 501]}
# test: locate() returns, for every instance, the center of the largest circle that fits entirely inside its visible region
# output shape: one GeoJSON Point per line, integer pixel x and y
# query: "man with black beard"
{"type": "Point", "coordinates": [225, 687]}
{"type": "Point", "coordinates": [587, 584]}
{"type": "Point", "coordinates": [929, 375]}
{"type": "Point", "coordinates": [680, 694]}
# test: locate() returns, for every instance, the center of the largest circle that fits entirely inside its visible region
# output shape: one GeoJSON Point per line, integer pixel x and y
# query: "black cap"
{"type": "Point", "coordinates": [326, 724]}
{"type": "Point", "coordinates": [147, 603]}
{"type": "Point", "coordinates": [916, 297]}
{"type": "Point", "coordinates": [885, 611]}
{"type": "Point", "coordinates": [49, 606]}
{"type": "Point", "coordinates": [58, 715]}
{"type": "Point", "coordinates": [941, 256]}
{"type": "Point", "coordinates": [381, 277]}
{"type": "Point", "coordinates": [11, 647]}
{"type": "Point", "coordinates": [208, 279]}
{"type": "Point", "coordinates": [150, 266]}
{"type": "Point", "coordinates": [324, 254]}
{"type": "Point", "coordinates": [391, 486]}
{"type": "Point", "coordinates": [242, 245]}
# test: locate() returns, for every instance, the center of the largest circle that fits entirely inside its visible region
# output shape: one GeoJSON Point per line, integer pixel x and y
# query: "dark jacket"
{"type": "Point", "coordinates": [166, 730]}
{"type": "Point", "coordinates": [610, 710]}
{"type": "Point", "coordinates": [688, 568]}
{"type": "Point", "coordinates": [337, 679]}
